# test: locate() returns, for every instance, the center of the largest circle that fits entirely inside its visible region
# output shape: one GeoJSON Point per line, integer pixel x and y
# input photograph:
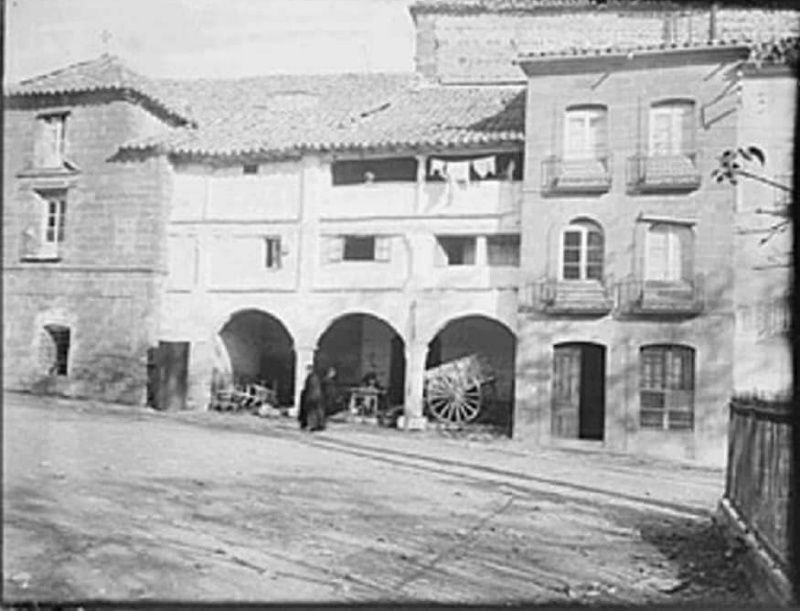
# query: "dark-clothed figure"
{"type": "Point", "coordinates": [302, 413]}
{"type": "Point", "coordinates": [312, 407]}
{"type": "Point", "coordinates": [329, 392]}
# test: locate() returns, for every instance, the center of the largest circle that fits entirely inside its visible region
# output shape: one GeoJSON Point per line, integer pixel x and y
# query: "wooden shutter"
{"type": "Point", "coordinates": [335, 248]}
{"type": "Point", "coordinates": [660, 131]}
{"type": "Point", "coordinates": [383, 248]}
{"type": "Point", "coordinates": [598, 128]}
{"type": "Point", "coordinates": [655, 262]}
{"type": "Point", "coordinates": [566, 391]}
{"type": "Point", "coordinates": [674, 259]}
{"type": "Point", "coordinates": [687, 127]}
{"type": "Point", "coordinates": [687, 254]}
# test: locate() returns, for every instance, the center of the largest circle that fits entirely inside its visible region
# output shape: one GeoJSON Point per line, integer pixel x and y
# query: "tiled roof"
{"type": "Point", "coordinates": [471, 7]}
{"type": "Point", "coordinates": [411, 116]}
{"type": "Point", "coordinates": [107, 73]}
{"type": "Point", "coordinates": [774, 51]}
{"type": "Point", "coordinates": [623, 50]}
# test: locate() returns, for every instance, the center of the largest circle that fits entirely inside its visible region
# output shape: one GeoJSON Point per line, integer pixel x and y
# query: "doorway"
{"type": "Point", "coordinates": [579, 391]}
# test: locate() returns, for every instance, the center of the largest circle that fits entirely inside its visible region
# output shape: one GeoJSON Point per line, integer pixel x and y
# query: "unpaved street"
{"type": "Point", "coordinates": [106, 502]}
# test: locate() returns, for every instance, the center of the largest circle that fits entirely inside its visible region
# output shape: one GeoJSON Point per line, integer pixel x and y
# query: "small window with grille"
{"type": "Point", "coordinates": [666, 384]}
{"type": "Point", "coordinates": [272, 245]}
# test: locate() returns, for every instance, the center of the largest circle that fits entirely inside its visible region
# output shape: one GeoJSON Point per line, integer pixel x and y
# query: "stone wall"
{"type": "Point", "coordinates": [482, 47]}
{"type": "Point", "coordinates": [627, 93]}
{"type": "Point", "coordinates": [105, 287]}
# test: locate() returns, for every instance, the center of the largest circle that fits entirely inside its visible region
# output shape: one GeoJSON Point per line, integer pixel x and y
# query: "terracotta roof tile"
{"type": "Point", "coordinates": [471, 7]}
{"type": "Point", "coordinates": [409, 116]}
{"type": "Point", "coordinates": [623, 50]}
{"type": "Point", "coordinates": [106, 73]}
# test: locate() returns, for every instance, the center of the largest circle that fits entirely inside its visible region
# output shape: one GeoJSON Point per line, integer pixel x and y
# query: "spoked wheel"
{"type": "Point", "coordinates": [453, 399]}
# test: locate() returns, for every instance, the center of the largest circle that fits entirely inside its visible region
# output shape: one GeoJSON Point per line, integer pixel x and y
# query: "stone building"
{"type": "Point", "coordinates": [387, 223]}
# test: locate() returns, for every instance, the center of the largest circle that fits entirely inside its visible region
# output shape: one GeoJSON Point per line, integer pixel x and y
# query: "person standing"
{"type": "Point", "coordinates": [311, 401]}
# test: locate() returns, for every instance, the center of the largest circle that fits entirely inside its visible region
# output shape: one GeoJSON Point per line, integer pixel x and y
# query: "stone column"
{"type": "Point", "coordinates": [415, 369]}
{"type": "Point", "coordinates": [304, 356]}
{"type": "Point", "coordinates": [422, 162]}
{"type": "Point", "coordinates": [481, 254]}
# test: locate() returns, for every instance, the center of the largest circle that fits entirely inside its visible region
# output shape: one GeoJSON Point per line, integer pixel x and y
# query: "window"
{"type": "Point", "coordinates": [55, 349]}
{"type": "Point", "coordinates": [50, 138]}
{"type": "Point", "coordinates": [43, 238]}
{"type": "Point", "coordinates": [359, 248]}
{"type": "Point", "coordinates": [582, 251]}
{"type": "Point", "coordinates": [502, 250]}
{"type": "Point", "coordinates": [586, 132]}
{"type": "Point", "coordinates": [666, 385]}
{"type": "Point", "coordinates": [401, 169]}
{"type": "Point", "coordinates": [672, 128]}
{"type": "Point", "coordinates": [250, 168]}
{"type": "Point", "coordinates": [668, 256]}
{"type": "Point", "coordinates": [272, 258]}
{"type": "Point", "coordinates": [457, 250]}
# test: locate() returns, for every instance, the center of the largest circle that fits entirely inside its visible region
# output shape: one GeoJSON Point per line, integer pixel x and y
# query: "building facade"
{"type": "Point", "coordinates": [628, 324]}
{"type": "Point", "coordinates": [385, 224]}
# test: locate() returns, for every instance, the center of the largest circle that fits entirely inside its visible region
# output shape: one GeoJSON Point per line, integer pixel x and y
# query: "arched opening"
{"type": "Point", "coordinates": [579, 391]}
{"type": "Point", "coordinates": [261, 351]}
{"type": "Point", "coordinates": [495, 347]}
{"type": "Point", "coordinates": [361, 345]}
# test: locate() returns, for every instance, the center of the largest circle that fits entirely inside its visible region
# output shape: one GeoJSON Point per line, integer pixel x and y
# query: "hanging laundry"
{"type": "Point", "coordinates": [438, 167]}
{"type": "Point", "coordinates": [484, 167]}
{"type": "Point", "coordinates": [458, 171]}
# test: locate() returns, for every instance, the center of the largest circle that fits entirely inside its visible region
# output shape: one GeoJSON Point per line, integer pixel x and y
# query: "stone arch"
{"type": "Point", "coordinates": [255, 346]}
{"type": "Point", "coordinates": [496, 342]}
{"type": "Point", "coordinates": [359, 343]}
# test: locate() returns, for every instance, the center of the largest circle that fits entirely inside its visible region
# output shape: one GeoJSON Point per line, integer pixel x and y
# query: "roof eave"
{"type": "Point", "coordinates": [550, 64]}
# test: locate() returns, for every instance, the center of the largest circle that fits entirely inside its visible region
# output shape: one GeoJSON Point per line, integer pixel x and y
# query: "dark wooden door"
{"type": "Point", "coordinates": [173, 369]}
{"type": "Point", "coordinates": [566, 391]}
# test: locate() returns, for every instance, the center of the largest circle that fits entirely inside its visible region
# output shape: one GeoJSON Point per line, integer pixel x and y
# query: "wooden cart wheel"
{"type": "Point", "coordinates": [453, 399]}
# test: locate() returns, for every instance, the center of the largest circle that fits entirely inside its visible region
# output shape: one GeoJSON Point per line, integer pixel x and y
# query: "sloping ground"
{"type": "Point", "coordinates": [112, 503]}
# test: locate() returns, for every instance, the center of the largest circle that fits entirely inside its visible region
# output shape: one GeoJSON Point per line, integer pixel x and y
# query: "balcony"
{"type": "Point", "coordinates": [664, 173]}
{"type": "Point", "coordinates": [567, 298]}
{"type": "Point", "coordinates": [681, 298]}
{"type": "Point", "coordinates": [577, 176]}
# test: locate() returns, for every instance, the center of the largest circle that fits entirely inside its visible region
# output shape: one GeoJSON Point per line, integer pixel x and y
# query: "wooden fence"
{"type": "Point", "coordinates": [758, 475]}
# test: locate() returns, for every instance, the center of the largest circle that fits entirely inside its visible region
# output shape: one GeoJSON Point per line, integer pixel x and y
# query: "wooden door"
{"type": "Point", "coordinates": [566, 391]}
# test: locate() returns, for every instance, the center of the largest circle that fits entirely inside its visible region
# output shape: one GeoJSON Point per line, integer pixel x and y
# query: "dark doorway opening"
{"type": "Point", "coordinates": [360, 346]}
{"type": "Point", "coordinates": [261, 351]}
{"type": "Point", "coordinates": [579, 391]}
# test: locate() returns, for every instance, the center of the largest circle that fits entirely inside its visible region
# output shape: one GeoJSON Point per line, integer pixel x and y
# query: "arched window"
{"type": "Point", "coordinates": [666, 387]}
{"type": "Point", "coordinates": [582, 251]}
{"type": "Point", "coordinates": [54, 349]}
{"type": "Point", "coordinates": [585, 132]}
{"type": "Point", "coordinates": [668, 253]}
{"type": "Point", "coordinates": [672, 128]}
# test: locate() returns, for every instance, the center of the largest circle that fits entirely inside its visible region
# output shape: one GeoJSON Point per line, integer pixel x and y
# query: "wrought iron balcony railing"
{"type": "Point", "coordinates": [637, 297]}
{"type": "Point", "coordinates": [648, 173]}
{"type": "Point", "coordinates": [591, 175]}
{"type": "Point", "coordinates": [567, 298]}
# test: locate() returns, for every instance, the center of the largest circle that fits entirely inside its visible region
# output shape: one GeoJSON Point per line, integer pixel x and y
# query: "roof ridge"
{"type": "Point", "coordinates": [99, 60]}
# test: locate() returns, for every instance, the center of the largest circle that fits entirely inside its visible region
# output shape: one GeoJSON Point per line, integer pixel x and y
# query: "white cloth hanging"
{"type": "Point", "coordinates": [438, 166]}
{"type": "Point", "coordinates": [484, 166]}
{"type": "Point", "coordinates": [458, 171]}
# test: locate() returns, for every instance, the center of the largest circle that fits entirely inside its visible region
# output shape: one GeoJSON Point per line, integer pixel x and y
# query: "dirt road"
{"type": "Point", "coordinates": [109, 502]}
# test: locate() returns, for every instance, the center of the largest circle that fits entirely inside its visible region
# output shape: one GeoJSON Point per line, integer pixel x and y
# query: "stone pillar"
{"type": "Point", "coordinates": [422, 162]}
{"type": "Point", "coordinates": [481, 254]}
{"type": "Point", "coordinates": [304, 356]}
{"type": "Point", "coordinates": [415, 369]}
